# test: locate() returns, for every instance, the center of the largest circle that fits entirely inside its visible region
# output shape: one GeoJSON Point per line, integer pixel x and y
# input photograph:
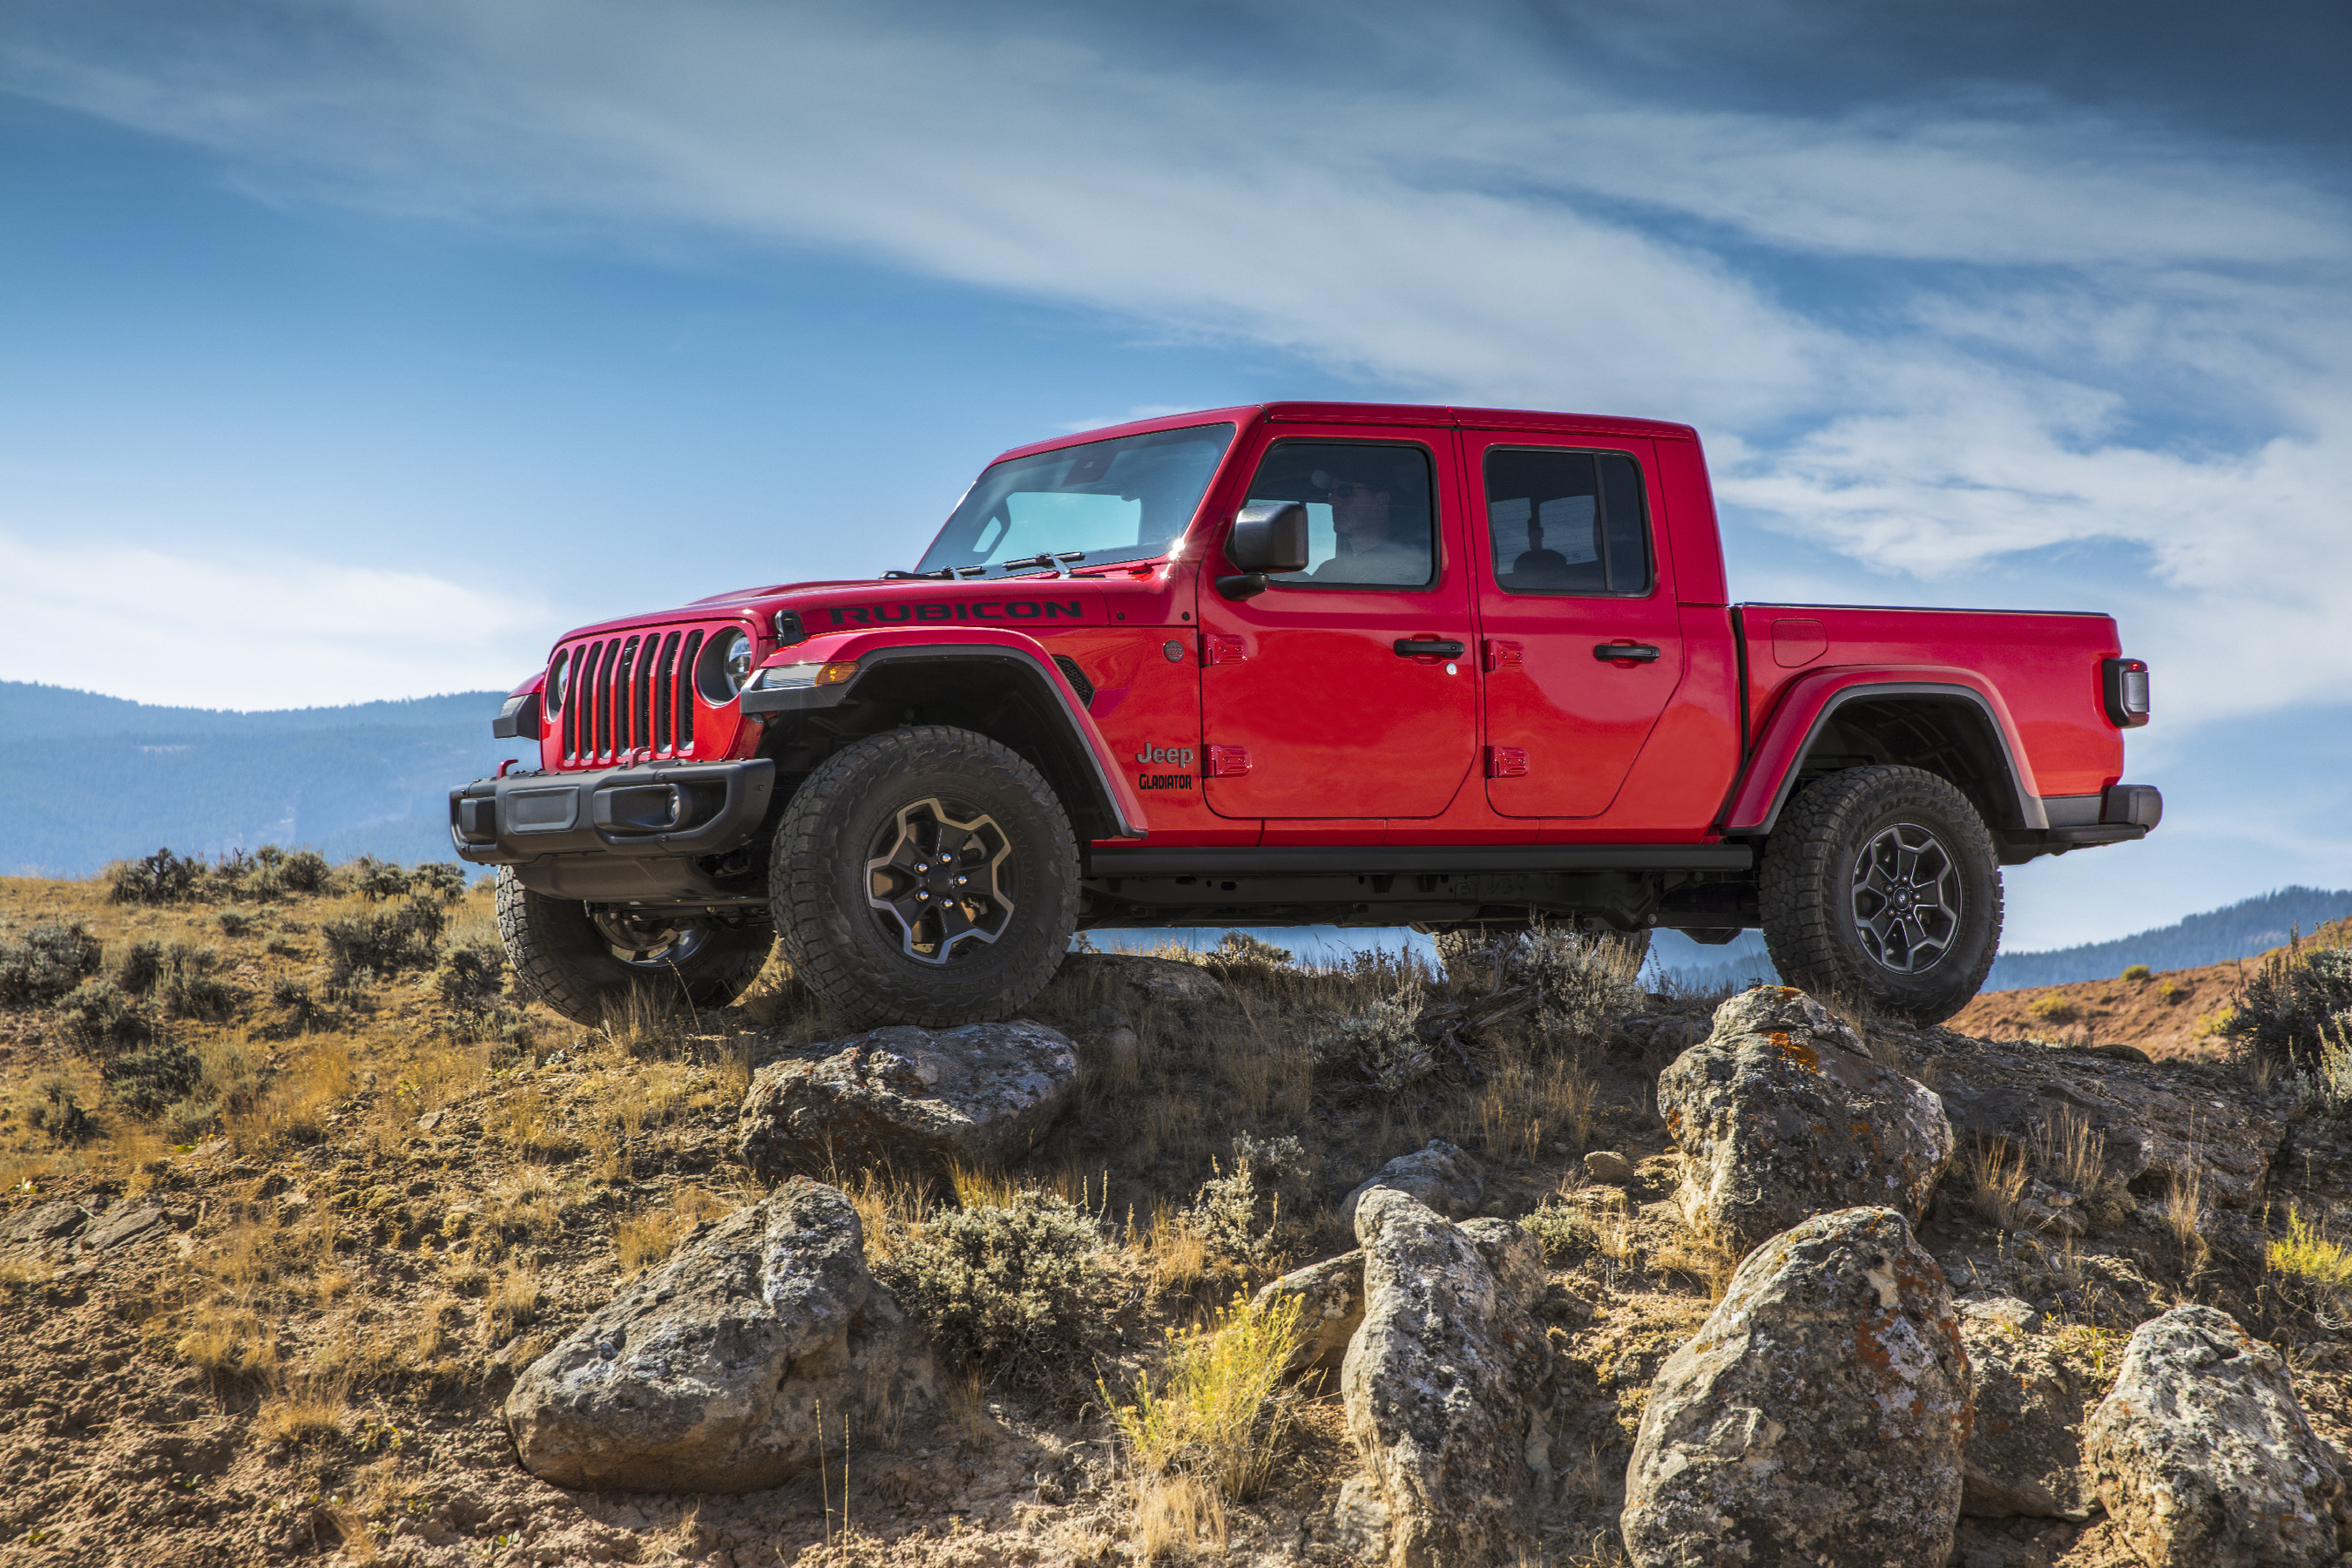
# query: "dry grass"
{"type": "Point", "coordinates": [306, 1407]}
{"type": "Point", "coordinates": [1218, 1408]}
{"type": "Point", "coordinates": [1997, 1176]}
{"type": "Point", "coordinates": [1172, 1249]}
{"type": "Point", "coordinates": [514, 1299]}
{"type": "Point", "coordinates": [2068, 1151]}
{"type": "Point", "coordinates": [644, 1240]}
{"type": "Point", "coordinates": [228, 1340]}
{"type": "Point", "coordinates": [2184, 1215]}
{"type": "Point", "coordinates": [1177, 1519]}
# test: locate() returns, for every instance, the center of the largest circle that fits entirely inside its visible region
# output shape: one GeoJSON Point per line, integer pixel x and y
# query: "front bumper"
{"type": "Point", "coordinates": [652, 810]}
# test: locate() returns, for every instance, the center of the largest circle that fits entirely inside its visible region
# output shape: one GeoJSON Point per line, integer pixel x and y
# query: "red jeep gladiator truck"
{"type": "Point", "coordinates": [1343, 664]}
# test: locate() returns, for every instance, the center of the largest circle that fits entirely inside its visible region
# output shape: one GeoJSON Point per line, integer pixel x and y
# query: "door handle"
{"type": "Point", "coordinates": [1438, 647]}
{"type": "Point", "coordinates": [1631, 653]}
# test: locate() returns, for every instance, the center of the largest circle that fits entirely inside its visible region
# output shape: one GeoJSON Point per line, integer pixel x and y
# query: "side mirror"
{"type": "Point", "coordinates": [1266, 537]}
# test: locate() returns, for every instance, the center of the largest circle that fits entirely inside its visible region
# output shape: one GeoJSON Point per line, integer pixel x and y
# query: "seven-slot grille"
{"type": "Point", "coordinates": [630, 693]}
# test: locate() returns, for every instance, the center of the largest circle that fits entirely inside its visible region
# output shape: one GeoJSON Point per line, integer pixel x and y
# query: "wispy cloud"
{"type": "Point", "coordinates": [1928, 337]}
{"type": "Point", "coordinates": [252, 632]}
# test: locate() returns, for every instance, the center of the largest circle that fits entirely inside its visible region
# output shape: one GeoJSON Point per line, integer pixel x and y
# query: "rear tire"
{"type": "Point", "coordinates": [1880, 885]}
{"type": "Point", "coordinates": [925, 876]}
{"type": "Point", "coordinates": [578, 963]}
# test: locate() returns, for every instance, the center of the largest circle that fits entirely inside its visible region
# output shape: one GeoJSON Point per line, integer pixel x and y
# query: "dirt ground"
{"type": "Point", "coordinates": [290, 1301]}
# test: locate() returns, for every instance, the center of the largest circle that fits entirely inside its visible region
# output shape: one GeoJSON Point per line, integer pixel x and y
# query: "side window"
{"type": "Point", "coordinates": [1371, 511]}
{"type": "Point", "coordinates": [1566, 522]}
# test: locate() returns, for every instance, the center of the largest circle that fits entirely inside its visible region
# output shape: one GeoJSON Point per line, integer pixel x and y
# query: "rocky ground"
{"type": "Point", "coordinates": [312, 1237]}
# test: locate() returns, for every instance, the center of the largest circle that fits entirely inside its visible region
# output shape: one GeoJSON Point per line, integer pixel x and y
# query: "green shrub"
{"type": "Point", "coordinates": [473, 976]}
{"type": "Point", "coordinates": [1240, 956]}
{"type": "Point", "coordinates": [98, 1019]}
{"type": "Point", "coordinates": [1009, 1288]}
{"type": "Point", "coordinates": [1381, 1044]}
{"type": "Point", "coordinates": [162, 877]}
{"type": "Point", "coordinates": [2136, 972]}
{"type": "Point", "coordinates": [303, 871]}
{"type": "Point", "coordinates": [140, 967]}
{"type": "Point", "coordinates": [191, 990]}
{"type": "Point", "coordinates": [2294, 1004]}
{"type": "Point", "coordinates": [384, 944]}
{"type": "Point", "coordinates": [442, 879]}
{"type": "Point", "coordinates": [375, 880]}
{"type": "Point", "coordinates": [60, 1115]}
{"type": "Point", "coordinates": [50, 961]}
{"type": "Point", "coordinates": [144, 1082]}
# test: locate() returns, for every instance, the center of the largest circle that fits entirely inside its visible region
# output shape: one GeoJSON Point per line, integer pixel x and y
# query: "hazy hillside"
{"type": "Point", "coordinates": [2241, 930]}
{"type": "Point", "coordinates": [88, 779]}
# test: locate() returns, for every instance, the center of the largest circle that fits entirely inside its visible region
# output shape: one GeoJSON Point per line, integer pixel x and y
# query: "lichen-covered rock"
{"type": "Point", "coordinates": [1331, 1296]}
{"type": "Point", "coordinates": [1819, 1415]}
{"type": "Point", "coordinates": [1780, 1114]}
{"type": "Point", "coordinates": [915, 1099]}
{"type": "Point", "coordinates": [2024, 1455]}
{"type": "Point", "coordinates": [2156, 1124]}
{"type": "Point", "coordinates": [2203, 1456]}
{"type": "Point", "coordinates": [1444, 1385]}
{"type": "Point", "coordinates": [1440, 1175]}
{"type": "Point", "coordinates": [709, 1373]}
{"type": "Point", "coordinates": [1144, 980]}
{"type": "Point", "coordinates": [1608, 1167]}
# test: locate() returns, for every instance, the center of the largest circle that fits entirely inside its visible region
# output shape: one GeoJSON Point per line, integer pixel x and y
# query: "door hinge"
{"type": "Point", "coordinates": [1507, 762]}
{"type": "Point", "coordinates": [1228, 762]}
{"type": "Point", "coordinates": [1501, 655]}
{"type": "Point", "coordinates": [1218, 648]}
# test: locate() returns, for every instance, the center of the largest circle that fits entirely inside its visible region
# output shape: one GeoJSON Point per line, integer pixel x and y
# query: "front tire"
{"type": "Point", "coordinates": [581, 961]}
{"type": "Point", "coordinates": [1881, 884]}
{"type": "Point", "coordinates": [925, 876]}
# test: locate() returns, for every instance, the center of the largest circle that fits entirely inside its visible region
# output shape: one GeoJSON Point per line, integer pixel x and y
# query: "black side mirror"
{"type": "Point", "coordinates": [1266, 537]}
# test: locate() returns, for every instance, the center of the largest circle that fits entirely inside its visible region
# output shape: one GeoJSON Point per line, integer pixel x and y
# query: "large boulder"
{"type": "Point", "coordinates": [1440, 1175]}
{"type": "Point", "coordinates": [2159, 1124]}
{"type": "Point", "coordinates": [1781, 1114]}
{"type": "Point", "coordinates": [2024, 1455]}
{"type": "Point", "coordinates": [916, 1099]}
{"type": "Point", "coordinates": [2203, 1456]}
{"type": "Point", "coordinates": [1819, 1415]}
{"type": "Point", "coordinates": [1444, 1386]}
{"type": "Point", "coordinates": [709, 1372]}
{"type": "Point", "coordinates": [1330, 1296]}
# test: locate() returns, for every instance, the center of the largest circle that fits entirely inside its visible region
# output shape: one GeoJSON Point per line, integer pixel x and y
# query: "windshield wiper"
{"type": "Point", "coordinates": [1049, 563]}
{"type": "Point", "coordinates": [947, 572]}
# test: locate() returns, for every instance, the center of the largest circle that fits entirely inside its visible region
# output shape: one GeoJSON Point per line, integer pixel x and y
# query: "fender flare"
{"type": "Point", "coordinates": [1811, 700]}
{"type": "Point", "coordinates": [1022, 658]}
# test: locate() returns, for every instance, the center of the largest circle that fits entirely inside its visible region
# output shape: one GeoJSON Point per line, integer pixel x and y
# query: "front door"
{"type": "Point", "coordinates": [1581, 644]}
{"type": "Point", "coordinates": [1349, 689]}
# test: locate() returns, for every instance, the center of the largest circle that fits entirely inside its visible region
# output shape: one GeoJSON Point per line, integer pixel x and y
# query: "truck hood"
{"type": "Point", "coordinates": [846, 604]}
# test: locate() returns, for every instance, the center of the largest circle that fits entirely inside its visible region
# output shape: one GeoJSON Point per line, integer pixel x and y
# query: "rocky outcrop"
{"type": "Point", "coordinates": [1330, 1296]}
{"type": "Point", "coordinates": [710, 1371]}
{"type": "Point", "coordinates": [914, 1098]}
{"type": "Point", "coordinates": [1141, 980]}
{"type": "Point", "coordinates": [1819, 1414]}
{"type": "Point", "coordinates": [2156, 1123]}
{"type": "Point", "coordinates": [1440, 1175]}
{"type": "Point", "coordinates": [2203, 1456]}
{"type": "Point", "coordinates": [1780, 1114]}
{"type": "Point", "coordinates": [1443, 1387]}
{"type": "Point", "coordinates": [2024, 1455]}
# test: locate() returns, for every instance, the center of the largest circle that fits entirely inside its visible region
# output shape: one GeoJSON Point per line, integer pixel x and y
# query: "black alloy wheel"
{"type": "Point", "coordinates": [1880, 885]}
{"type": "Point", "coordinates": [584, 960]}
{"type": "Point", "coordinates": [927, 876]}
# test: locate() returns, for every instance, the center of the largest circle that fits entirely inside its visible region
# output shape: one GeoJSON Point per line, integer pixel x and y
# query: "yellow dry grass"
{"type": "Point", "coordinates": [1218, 1408]}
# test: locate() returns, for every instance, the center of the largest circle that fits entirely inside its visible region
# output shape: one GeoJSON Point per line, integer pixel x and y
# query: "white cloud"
{"type": "Point", "coordinates": [1930, 337]}
{"type": "Point", "coordinates": [256, 632]}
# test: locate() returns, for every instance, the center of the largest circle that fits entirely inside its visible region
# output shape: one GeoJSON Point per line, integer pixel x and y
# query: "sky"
{"type": "Point", "coordinates": [354, 349]}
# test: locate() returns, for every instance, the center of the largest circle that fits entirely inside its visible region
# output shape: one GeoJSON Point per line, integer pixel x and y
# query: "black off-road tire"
{"type": "Point", "coordinates": [852, 954]}
{"type": "Point", "coordinates": [561, 958]}
{"type": "Point", "coordinates": [1808, 889]}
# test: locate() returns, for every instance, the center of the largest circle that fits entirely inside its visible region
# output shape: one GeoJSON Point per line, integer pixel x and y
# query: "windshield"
{"type": "Point", "coordinates": [1128, 498]}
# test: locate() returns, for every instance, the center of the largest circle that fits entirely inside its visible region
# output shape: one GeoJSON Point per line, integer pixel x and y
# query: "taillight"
{"type": "Point", "coordinates": [2126, 693]}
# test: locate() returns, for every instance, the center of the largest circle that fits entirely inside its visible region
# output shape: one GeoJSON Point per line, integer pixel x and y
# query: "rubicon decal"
{"type": "Point", "coordinates": [958, 610]}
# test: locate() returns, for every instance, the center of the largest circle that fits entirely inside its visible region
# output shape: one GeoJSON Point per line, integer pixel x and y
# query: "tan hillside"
{"type": "Point", "coordinates": [2171, 1014]}
{"type": "Point", "coordinates": [276, 1241]}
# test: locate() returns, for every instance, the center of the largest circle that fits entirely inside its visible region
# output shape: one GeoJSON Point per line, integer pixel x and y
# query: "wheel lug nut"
{"type": "Point", "coordinates": [919, 893]}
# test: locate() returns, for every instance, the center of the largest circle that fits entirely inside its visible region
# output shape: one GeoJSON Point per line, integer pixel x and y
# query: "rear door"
{"type": "Point", "coordinates": [1581, 644]}
{"type": "Point", "coordinates": [1348, 690]}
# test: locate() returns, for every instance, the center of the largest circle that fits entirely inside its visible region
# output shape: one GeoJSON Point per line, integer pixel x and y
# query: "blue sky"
{"type": "Point", "coordinates": [353, 349]}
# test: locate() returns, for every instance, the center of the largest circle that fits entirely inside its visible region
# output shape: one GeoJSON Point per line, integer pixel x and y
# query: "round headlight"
{"type": "Point", "coordinates": [724, 667]}
{"type": "Point", "coordinates": [558, 682]}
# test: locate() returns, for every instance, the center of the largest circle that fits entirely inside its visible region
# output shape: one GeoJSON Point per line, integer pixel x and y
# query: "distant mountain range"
{"type": "Point", "coordinates": [2241, 930]}
{"type": "Point", "coordinates": [88, 779]}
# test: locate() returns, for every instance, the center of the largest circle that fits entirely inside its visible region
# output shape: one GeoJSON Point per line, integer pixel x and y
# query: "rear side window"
{"type": "Point", "coordinates": [1567, 522]}
{"type": "Point", "coordinates": [1371, 511]}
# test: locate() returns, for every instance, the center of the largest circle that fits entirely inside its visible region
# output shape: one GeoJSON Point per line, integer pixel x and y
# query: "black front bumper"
{"type": "Point", "coordinates": [635, 834]}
